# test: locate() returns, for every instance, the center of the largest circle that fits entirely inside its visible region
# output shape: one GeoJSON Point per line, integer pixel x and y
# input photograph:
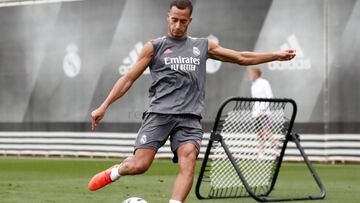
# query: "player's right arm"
{"type": "Point", "coordinates": [217, 52]}
{"type": "Point", "coordinates": [124, 83]}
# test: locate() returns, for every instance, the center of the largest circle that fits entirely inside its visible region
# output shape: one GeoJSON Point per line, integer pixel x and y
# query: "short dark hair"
{"type": "Point", "coordinates": [182, 4]}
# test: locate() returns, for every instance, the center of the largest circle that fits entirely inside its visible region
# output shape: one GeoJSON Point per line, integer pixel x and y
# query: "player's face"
{"type": "Point", "coordinates": [178, 22]}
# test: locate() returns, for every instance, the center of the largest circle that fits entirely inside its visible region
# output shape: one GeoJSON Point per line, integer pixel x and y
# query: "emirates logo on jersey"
{"type": "Point", "coordinates": [182, 63]}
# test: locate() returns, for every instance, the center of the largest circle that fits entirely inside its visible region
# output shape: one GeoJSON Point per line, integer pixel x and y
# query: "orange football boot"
{"type": "Point", "coordinates": [101, 179]}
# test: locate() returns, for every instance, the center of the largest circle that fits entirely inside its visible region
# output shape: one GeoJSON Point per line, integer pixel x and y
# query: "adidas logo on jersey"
{"type": "Point", "coordinates": [300, 62]}
{"type": "Point", "coordinates": [168, 51]}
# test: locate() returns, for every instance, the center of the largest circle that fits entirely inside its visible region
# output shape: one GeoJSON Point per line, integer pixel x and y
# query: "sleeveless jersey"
{"type": "Point", "coordinates": [178, 71]}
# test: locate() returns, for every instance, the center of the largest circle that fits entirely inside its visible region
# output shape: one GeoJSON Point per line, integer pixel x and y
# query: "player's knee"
{"type": "Point", "coordinates": [187, 162]}
{"type": "Point", "coordinates": [189, 153]}
{"type": "Point", "coordinates": [191, 157]}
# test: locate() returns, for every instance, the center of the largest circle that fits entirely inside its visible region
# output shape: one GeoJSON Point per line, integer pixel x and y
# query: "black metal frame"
{"type": "Point", "coordinates": [216, 136]}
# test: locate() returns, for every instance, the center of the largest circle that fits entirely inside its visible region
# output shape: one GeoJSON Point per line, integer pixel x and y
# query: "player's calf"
{"type": "Point", "coordinates": [132, 166]}
{"type": "Point", "coordinates": [137, 164]}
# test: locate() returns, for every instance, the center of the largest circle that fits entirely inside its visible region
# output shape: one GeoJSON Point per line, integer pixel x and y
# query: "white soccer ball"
{"type": "Point", "coordinates": [135, 200]}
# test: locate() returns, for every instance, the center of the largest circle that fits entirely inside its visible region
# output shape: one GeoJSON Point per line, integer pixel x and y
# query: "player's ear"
{"type": "Point", "coordinates": [168, 17]}
{"type": "Point", "coordinates": [190, 20]}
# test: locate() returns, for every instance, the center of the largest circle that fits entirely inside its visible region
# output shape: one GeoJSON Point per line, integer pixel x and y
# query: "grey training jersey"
{"type": "Point", "coordinates": [178, 70]}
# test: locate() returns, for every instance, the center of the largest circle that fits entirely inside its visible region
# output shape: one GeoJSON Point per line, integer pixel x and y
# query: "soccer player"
{"type": "Point", "coordinates": [178, 67]}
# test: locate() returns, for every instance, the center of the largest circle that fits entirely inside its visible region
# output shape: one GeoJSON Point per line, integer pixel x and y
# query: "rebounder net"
{"type": "Point", "coordinates": [254, 132]}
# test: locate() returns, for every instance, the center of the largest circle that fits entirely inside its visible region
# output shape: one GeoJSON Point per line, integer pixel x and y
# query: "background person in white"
{"type": "Point", "coordinates": [261, 88]}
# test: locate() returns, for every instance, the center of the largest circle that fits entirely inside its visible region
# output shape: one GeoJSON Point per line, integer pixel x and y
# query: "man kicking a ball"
{"type": "Point", "coordinates": [178, 68]}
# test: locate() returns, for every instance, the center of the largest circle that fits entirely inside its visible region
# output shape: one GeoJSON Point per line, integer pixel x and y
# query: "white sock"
{"type": "Point", "coordinates": [114, 175]}
{"type": "Point", "coordinates": [174, 201]}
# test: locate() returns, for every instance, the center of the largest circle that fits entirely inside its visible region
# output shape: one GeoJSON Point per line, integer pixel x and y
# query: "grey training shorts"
{"type": "Point", "coordinates": [157, 128]}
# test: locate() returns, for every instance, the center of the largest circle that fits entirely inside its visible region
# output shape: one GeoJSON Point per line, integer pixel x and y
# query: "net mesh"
{"type": "Point", "coordinates": [254, 133]}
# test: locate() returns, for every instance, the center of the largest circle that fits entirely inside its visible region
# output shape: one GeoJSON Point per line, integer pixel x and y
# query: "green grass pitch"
{"type": "Point", "coordinates": [40, 180]}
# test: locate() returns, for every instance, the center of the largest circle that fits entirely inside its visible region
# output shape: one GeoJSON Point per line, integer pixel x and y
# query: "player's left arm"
{"type": "Point", "coordinates": [215, 51]}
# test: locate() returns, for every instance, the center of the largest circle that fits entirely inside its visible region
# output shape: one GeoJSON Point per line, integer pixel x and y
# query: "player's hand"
{"type": "Point", "coordinates": [96, 116]}
{"type": "Point", "coordinates": [286, 55]}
